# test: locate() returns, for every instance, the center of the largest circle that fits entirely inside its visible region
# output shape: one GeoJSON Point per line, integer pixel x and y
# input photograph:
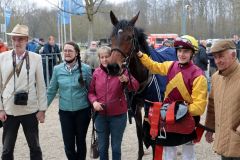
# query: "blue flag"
{"type": "Point", "coordinates": [77, 7]}
{"type": "Point", "coordinates": [66, 15]}
{"type": "Point", "coordinates": [7, 14]}
{"type": "Point", "coordinates": [70, 7]}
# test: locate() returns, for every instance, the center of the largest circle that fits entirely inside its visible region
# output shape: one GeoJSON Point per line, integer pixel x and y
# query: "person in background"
{"type": "Point", "coordinates": [40, 47]}
{"type": "Point", "coordinates": [3, 47]}
{"type": "Point", "coordinates": [237, 42]}
{"type": "Point", "coordinates": [107, 97]}
{"type": "Point", "coordinates": [91, 57]}
{"type": "Point", "coordinates": [32, 45]}
{"type": "Point", "coordinates": [223, 110]}
{"type": "Point", "coordinates": [28, 79]}
{"type": "Point", "coordinates": [168, 43]}
{"type": "Point", "coordinates": [200, 58]}
{"type": "Point", "coordinates": [71, 80]}
{"type": "Point", "coordinates": [52, 52]}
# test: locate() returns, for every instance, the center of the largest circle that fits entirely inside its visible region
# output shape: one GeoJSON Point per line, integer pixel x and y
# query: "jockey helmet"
{"type": "Point", "coordinates": [186, 42]}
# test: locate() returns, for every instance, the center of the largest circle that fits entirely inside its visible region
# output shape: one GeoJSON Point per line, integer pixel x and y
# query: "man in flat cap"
{"type": "Point", "coordinates": [23, 94]}
{"type": "Point", "coordinates": [223, 112]}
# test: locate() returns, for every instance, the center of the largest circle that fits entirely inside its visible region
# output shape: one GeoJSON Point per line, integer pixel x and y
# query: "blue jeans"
{"type": "Point", "coordinates": [74, 129]}
{"type": "Point", "coordinates": [114, 126]}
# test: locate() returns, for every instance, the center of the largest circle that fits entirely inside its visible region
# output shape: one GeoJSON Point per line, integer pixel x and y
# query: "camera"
{"type": "Point", "coordinates": [20, 98]}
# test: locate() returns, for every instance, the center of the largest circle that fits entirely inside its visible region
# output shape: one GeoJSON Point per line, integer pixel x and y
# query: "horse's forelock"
{"type": "Point", "coordinates": [139, 33]}
{"type": "Point", "coordinates": [122, 24]}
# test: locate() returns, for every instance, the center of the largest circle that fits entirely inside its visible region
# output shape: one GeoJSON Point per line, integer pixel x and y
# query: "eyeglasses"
{"type": "Point", "coordinates": [68, 51]}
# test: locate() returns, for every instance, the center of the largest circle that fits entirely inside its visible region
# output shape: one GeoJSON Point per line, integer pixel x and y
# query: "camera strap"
{"type": "Point", "coordinates": [17, 67]}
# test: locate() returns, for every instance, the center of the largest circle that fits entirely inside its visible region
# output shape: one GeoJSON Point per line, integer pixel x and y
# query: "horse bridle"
{"type": "Point", "coordinates": [133, 48]}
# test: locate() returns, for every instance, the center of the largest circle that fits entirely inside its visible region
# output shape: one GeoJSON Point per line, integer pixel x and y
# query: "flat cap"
{"type": "Point", "coordinates": [222, 45]}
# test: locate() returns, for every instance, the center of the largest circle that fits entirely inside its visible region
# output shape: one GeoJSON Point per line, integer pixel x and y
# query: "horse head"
{"type": "Point", "coordinates": [127, 40]}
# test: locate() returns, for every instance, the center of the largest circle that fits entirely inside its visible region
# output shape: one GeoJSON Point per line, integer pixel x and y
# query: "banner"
{"type": "Point", "coordinates": [70, 7]}
{"type": "Point", "coordinates": [65, 14]}
{"type": "Point", "coordinates": [78, 7]}
{"type": "Point", "coordinates": [7, 15]}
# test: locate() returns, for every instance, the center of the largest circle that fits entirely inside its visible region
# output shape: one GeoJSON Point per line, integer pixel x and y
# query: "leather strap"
{"type": "Point", "coordinates": [170, 116]}
{"type": "Point", "coordinates": [155, 119]}
{"type": "Point", "coordinates": [158, 153]}
{"type": "Point", "coordinates": [199, 132]}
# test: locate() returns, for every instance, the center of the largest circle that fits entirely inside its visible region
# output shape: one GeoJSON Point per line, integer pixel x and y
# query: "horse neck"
{"type": "Point", "coordinates": [138, 70]}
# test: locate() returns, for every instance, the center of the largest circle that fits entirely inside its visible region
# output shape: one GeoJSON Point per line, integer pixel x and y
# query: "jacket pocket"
{"type": "Point", "coordinates": [234, 144]}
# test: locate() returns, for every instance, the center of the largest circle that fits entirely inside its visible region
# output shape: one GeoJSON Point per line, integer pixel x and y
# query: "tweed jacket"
{"type": "Point", "coordinates": [37, 99]}
{"type": "Point", "coordinates": [223, 113]}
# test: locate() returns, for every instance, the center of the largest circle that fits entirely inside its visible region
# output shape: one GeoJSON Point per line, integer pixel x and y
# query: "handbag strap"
{"type": "Point", "coordinates": [94, 137]}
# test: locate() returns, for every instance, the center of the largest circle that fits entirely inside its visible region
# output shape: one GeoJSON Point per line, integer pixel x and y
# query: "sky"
{"type": "Point", "coordinates": [45, 3]}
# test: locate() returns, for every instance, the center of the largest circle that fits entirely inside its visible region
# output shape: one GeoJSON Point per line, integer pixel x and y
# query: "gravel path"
{"type": "Point", "coordinates": [52, 144]}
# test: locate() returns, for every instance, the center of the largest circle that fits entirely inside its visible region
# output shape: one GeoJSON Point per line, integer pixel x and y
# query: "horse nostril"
{"type": "Point", "coordinates": [113, 69]}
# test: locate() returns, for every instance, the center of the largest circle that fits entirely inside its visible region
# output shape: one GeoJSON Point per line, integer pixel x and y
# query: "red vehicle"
{"type": "Point", "coordinates": [157, 39]}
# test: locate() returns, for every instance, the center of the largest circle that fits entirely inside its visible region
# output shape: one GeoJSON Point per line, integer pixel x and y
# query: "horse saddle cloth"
{"type": "Point", "coordinates": [178, 111]}
{"type": "Point", "coordinates": [172, 117]}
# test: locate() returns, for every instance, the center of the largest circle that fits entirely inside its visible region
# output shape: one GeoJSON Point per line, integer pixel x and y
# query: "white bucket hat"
{"type": "Point", "coordinates": [19, 30]}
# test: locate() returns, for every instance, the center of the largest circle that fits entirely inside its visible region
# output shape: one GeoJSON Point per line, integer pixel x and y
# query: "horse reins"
{"type": "Point", "coordinates": [135, 44]}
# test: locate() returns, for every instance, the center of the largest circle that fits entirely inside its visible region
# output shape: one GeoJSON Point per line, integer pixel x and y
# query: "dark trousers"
{"type": "Point", "coordinates": [74, 129]}
{"type": "Point", "coordinates": [30, 129]}
{"type": "Point", "coordinates": [230, 158]}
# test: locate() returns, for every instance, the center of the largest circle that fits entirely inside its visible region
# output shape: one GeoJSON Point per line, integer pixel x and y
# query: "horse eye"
{"type": "Point", "coordinates": [128, 38]}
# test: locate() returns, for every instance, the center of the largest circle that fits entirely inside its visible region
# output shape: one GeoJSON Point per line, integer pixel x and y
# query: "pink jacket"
{"type": "Point", "coordinates": [109, 91]}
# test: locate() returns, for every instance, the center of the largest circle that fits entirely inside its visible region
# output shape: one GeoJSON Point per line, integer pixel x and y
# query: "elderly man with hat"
{"type": "Point", "coordinates": [23, 94]}
{"type": "Point", "coordinates": [223, 112]}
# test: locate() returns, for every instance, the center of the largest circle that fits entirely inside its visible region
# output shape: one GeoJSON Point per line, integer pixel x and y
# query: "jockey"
{"type": "Point", "coordinates": [186, 83]}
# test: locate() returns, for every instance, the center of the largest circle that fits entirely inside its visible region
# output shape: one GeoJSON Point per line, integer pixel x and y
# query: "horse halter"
{"type": "Point", "coordinates": [115, 69]}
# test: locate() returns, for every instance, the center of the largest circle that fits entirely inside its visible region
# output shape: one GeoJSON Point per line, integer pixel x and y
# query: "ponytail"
{"type": "Point", "coordinates": [80, 80]}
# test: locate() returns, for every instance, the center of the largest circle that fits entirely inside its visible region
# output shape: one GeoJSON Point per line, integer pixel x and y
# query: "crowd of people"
{"type": "Point", "coordinates": [84, 85]}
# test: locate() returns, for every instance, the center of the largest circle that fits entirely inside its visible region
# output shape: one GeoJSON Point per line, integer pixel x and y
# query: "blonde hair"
{"type": "Point", "coordinates": [104, 49]}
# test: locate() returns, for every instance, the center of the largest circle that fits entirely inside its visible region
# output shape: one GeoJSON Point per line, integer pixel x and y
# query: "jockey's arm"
{"type": "Point", "coordinates": [153, 66]}
{"type": "Point", "coordinates": [199, 96]}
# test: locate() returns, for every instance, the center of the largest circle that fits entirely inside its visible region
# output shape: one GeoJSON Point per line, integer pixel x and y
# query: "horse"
{"type": "Point", "coordinates": [127, 40]}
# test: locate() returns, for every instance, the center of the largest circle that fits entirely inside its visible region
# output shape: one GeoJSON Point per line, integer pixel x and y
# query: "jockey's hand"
{"type": "Point", "coordinates": [209, 137]}
{"type": "Point", "coordinates": [3, 116]}
{"type": "Point", "coordinates": [97, 106]}
{"type": "Point", "coordinates": [139, 54]}
{"type": "Point", "coordinates": [147, 120]}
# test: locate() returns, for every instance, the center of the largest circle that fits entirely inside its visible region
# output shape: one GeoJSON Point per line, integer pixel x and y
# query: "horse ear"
{"type": "Point", "coordinates": [113, 18]}
{"type": "Point", "coordinates": [134, 19]}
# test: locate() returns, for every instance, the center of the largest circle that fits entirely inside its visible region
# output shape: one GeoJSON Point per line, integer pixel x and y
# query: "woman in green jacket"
{"type": "Point", "coordinates": [71, 79]}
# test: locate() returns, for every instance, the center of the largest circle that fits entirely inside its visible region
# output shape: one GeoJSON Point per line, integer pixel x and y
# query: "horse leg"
{"type": "Point", "coordinates": [139, 127]}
